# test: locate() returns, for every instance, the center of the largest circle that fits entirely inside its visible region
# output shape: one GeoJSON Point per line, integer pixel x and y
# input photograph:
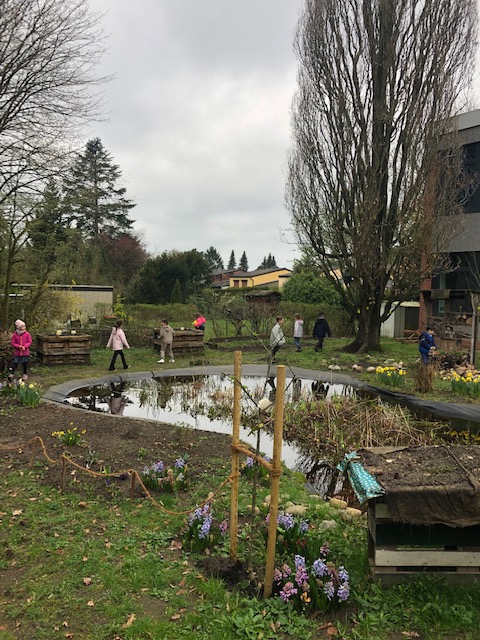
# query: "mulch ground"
{"type": "Point", "coordinates": [112, 442]}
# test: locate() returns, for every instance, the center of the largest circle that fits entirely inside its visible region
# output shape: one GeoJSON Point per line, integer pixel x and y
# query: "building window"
{"type": "Point", "coordinates": [236, 283]}
{"type": "Point", "coordinates": [244, 283]}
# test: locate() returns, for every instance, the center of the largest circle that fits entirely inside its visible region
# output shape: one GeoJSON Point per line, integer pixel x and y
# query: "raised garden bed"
{"type": "Point", "coordinates": [55, 349]}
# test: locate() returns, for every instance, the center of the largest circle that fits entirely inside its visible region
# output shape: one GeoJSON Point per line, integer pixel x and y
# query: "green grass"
{"type": "Point", "coordinates": [107, 569]}
{"type": "Point", "coordinates": [140, 586]}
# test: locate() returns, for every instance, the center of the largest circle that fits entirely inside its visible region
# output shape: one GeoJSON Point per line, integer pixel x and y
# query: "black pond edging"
{"type": "Point", "coordinates": [440, 410]}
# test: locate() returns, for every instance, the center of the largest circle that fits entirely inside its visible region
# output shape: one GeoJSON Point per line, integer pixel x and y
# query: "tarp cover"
{"type": "Point", "coordinates": [428, 485]}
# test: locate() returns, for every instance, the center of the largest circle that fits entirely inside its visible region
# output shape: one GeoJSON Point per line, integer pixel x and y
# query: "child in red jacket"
{"type": "Point", "coordinates": [21, 341]}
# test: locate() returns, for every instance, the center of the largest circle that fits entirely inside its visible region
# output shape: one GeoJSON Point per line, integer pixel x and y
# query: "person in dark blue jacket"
{"type": "Point", "coordinates": [427, 342]}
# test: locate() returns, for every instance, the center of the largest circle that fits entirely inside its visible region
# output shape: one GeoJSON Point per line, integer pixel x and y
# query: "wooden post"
{"type": "Point", "coordinates": [275, 485]}
{"type": "Point", "coordinates": [64, 474]}
{"type": "Point", "coordinates": [34, 452]}
{"type": "Point", "coordinates": [475, 297]}
{"type": "Point", "coordinates": [132, 484]}
{"type": "Point", "coordinates": [237, 395]}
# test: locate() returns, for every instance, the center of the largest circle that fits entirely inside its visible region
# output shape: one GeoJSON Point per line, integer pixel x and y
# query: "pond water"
{"type": "Point", "coordinates": [205, 402]}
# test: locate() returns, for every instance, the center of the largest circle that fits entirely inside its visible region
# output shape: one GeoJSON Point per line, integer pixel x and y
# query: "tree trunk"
{"type": "Point", "coordinates": [368, 334]}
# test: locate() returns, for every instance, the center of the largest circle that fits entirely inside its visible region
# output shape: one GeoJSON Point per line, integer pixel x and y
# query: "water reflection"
{"type": "Point", "coordinates": [205, 402]}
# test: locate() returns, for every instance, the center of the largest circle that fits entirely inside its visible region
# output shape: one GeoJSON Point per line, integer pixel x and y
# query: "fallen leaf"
{"type": "Point", "coordinates": [182, 582]}
{"type": "Point", "coordinates": [130, 621]}
{"type": "Point", "coordinates": [17, 512]}
{"type": "Point", "coordinates": [176, 616]}
{"type": "Point", "coordinates": [90, 603]}
{"type": "Point", "coordinates": [69, 635]}
{"type": "Point", "coordinates": [181, 592]}
{"type": "Point", "coordinates": [82, 504]}
{"type": "Point", "coordinates": [410, 634]}
{"type": "Point", "coordinates": [332, 631]}
{"type": "Point", "coordinates": [64, 623]}
{"type": "Point", "coordinates": [273, 627]}
{"type": "Point", "coordinates": [87, 581]}
{"type": "Point", "coordinates": [85, 558]}
{"type": "Point", "coordinates": [175, 545]}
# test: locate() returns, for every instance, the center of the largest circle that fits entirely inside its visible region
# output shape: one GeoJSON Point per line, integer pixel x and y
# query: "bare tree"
{"type": "Point", "coordinates": [48, 53]}
{"type": "Point", "coordinates": [378, 83]}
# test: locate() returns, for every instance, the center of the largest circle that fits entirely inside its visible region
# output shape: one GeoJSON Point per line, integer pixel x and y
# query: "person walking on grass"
{"type": "Point", "coordinates": [298, 331]}
{"type": "Point", "coordinates": [321, 330]}
{"type": "Point", "coordinates": [277, 339]}
{"type": "Point", "coordinates": [21, 341]}
{"type": "Point", "coordinates": [117, 341]}
{"type": "Point", "coordinates": [166, 338]}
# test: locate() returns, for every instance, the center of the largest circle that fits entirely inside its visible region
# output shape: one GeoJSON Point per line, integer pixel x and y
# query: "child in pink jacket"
{"type": "Point", "coordinates": [21, 341]}
{"type": "Point", "coordinates": [117, 341]}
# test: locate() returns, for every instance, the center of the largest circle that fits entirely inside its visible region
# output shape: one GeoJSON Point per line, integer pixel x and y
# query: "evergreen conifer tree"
{"type": "Point", "coordinates": [92, 198]}
{"type": "Point", "coordinates": [232, 263]}
{"type": "Point", "coordinates": [243, 264]}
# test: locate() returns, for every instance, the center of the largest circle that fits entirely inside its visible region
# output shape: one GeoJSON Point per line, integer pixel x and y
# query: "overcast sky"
{"type": "Point", "coordinates": [199, 120]}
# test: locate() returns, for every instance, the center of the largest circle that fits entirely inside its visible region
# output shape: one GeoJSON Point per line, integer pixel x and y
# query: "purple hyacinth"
{"type": "Point", "coordinates": [205, 528]}
{"type": "Point", "coordinates": [320, 569]}
{"type": "Point", "coordinates": [286, 520]}
{"type": "Point", "coordinates": [277, 575]}
{"type": "Point", "coordinates": [288, 591]}
{"type": "Point", "coordinates": [286, 571]}
{"type": "Point", "coordinates": [299, 561]}
{"type": "Point", "coordinates": [329, 590]}
{"type": "Point", "coordinates": [343, 574]}
{"type": "Point", "coordinates": [303, 527]}
{"type": "Point", "coordinates": [158, 467]}
{"type": "Point", "coordinates": [343, 592]}
{"type": "Point", "coordinates": [249, 462]}
{"type": "Point", "coordinates": [223, 526]}
{"type": "Point", "coordinates": [301, 577]}
{"type": "Point", "coordinates": [179, 463]}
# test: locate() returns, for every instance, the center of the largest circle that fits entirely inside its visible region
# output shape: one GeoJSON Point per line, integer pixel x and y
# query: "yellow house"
{"type": "Point", "coordinates": [273, 278]}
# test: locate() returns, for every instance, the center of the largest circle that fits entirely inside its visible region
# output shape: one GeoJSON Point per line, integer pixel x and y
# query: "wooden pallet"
{"type": "Point", "coordinates": [64, 349]}
{"type": "Point", "coordinates": [185, 343]}
{"type": "Point", "coordinates": [397, 551]}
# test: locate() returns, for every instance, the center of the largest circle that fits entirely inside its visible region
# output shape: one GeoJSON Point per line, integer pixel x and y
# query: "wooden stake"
{"type": "Point", "coordinates": [275, 484]}
{"type": "Point", "coordinates": [34, 452]}
{"type": "Point", "coordinates": [237, 394]}
{"type": "Point", "coordinates": [64, 475]}
{"type": "Point", "coordinates": [132, 484]}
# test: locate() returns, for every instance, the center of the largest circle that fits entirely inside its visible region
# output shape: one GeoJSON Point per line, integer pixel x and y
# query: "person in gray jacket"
{"type": "Point", "coordinates": [166, 337]}
{"type": "Point", "coordinates": [277, 339]}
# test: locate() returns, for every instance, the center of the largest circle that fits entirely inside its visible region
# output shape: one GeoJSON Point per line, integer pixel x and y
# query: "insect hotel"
{"type": "Point", "coordinates": [423, 510]}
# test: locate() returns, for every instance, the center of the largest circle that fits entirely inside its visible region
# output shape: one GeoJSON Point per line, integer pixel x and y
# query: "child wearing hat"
{"type": "Point", "coordinates": [21, 341]}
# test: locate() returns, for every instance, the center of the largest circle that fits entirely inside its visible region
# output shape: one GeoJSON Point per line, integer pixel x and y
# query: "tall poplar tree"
{"type": "Point", "coordinates": [378, 84]}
